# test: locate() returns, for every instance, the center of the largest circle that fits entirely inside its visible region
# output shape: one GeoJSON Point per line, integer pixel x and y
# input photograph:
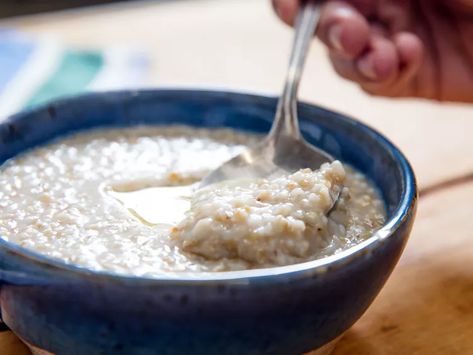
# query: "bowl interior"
{"type": "Point", "coordinates": [344, 138]}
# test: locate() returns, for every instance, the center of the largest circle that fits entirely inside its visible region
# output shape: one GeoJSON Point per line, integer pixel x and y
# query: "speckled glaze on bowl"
{"type": "Point", "coordinates": [285, 310]}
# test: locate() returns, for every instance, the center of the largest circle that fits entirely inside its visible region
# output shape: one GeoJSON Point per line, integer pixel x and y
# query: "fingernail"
{"type": "Point", "coordinates": [366, 67]}
{"type": "Point", "coordinates": [335, 37]}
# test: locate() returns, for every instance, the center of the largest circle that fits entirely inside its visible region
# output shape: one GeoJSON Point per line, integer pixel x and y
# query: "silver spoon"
{"type": "Point", "coordinates": [283, 149]}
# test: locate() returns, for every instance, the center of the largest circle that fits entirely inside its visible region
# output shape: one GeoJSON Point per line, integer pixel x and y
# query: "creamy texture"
{"type": "Point", "coordinates": [276, 221]}
{"type": "Point", "coordinates": [71, 200]}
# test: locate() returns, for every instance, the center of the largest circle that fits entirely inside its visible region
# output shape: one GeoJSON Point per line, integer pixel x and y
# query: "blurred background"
{"type": "Point", "coordinates": [23, 7]}
{"type": "Point", "coordinates": [232, 44]}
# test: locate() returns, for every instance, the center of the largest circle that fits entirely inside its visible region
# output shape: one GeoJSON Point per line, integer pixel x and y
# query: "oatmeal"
{"type": "Point", "coordinates": [264, 222]}
{"type": "Point", "coordinates": [80, 200]}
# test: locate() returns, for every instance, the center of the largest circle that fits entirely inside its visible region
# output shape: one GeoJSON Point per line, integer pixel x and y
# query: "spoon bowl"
{"type": "Point", "coordinates": [270, 159]}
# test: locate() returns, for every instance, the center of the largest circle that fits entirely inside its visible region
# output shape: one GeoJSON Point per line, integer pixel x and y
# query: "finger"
{"type": "Point", "coordinates": [380, 64]}
{"type": "Point", "coordinates": [286, 10]}
{"type": "Point", "coordinates": [377, 67]}
{"type": "Point", "coordinates": [410, 53]}
{"type": "Point", "coordinates": [346, 68]}
{"type": "Point", "coordinates": [343, 29]}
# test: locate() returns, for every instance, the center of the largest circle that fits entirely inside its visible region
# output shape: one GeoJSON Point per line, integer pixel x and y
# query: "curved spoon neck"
{"type": "Point", "coordinates": [286, 119]}
{"type": "Point", "coordinates": [286, 122]}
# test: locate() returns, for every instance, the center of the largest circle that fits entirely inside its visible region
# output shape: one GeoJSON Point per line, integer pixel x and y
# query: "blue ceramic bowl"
{"type": "Point", "coordinates": [285, 310]}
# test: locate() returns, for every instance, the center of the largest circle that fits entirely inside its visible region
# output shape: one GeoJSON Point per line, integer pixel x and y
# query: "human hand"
{"type": "Point", "coordinates": [399, 48]}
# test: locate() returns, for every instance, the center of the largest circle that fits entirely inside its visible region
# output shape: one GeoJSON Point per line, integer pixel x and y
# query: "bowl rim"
{"type": "Point", "coordinates": [405, 208]}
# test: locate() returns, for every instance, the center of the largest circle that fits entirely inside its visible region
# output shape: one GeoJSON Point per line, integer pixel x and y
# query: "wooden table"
{"type": "Point", "coordinates": [427, 304]}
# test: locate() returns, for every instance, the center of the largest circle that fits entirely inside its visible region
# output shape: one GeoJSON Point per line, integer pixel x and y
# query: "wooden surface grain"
{"type": "Point", "coordinates": [427, 304]}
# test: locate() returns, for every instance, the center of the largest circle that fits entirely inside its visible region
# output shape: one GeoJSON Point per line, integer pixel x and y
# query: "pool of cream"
{"type": "Point", "coordinates": [113, 200]}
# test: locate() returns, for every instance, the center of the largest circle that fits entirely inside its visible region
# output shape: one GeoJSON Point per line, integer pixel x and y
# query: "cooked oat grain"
{"type": "Point", "coordinates": [53, 200]}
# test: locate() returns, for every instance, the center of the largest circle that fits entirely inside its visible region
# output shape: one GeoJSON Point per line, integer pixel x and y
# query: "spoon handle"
{"type": "Point", "coordinates": [286, 121]}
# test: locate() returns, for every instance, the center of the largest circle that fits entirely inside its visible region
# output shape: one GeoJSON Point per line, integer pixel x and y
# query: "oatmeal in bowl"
{"type": "Point", "coordinates": [127, 201]}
